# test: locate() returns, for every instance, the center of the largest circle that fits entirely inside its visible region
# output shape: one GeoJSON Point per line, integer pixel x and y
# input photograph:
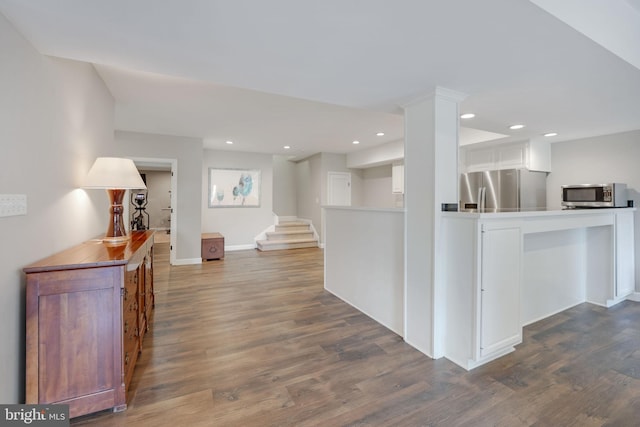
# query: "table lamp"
{"type": "Point", "coordinates": [115, 175]}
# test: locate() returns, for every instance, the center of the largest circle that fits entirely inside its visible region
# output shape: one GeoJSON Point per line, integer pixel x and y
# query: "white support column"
{"type": "Point", "coordinates": [431, 178]}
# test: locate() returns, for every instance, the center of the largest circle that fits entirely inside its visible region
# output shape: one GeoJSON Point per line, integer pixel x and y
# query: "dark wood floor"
{"type": "Point", "coordinates": [254, 340]}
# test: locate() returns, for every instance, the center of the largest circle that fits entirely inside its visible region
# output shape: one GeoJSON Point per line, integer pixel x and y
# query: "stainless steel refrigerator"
{"type": "Point", "coordinates": [503, 190]}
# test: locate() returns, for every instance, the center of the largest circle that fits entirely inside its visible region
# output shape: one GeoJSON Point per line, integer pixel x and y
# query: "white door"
{"type": "Point", "coordinates": [339, 189]}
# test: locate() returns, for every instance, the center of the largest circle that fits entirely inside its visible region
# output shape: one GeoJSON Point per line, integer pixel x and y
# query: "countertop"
{"type": "Point", "coordinates": [517, 213]}
{"type": "Point", "coordinates": [93, 253]}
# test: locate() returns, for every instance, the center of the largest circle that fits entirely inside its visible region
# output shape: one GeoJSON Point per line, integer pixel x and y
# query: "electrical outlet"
{"type": "Point", "coordinates": [13, 204]}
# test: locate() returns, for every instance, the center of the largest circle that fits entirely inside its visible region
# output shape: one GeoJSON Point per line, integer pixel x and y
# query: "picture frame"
{"type": "Point", "coordinates": [234, 188]}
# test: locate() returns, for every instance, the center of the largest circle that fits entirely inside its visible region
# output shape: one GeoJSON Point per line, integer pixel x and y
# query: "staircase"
{"type": "Point", "coordinates": [289, 235]}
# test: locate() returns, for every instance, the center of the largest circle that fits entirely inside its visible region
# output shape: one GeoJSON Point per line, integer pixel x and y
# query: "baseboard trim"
{"type": "Point", "coordinates": [399, 330]}
{"type": "Point", "coordinates": [187, 261]}
{"type": "Point", "coordinates": [560, 310]}
{"type": "Point", "coordinates": [634, 297]}
{"type": "Point", "coordinates": [239, 247]}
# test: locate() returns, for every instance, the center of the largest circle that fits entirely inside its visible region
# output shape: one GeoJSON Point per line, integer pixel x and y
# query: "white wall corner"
{"type": "Point", "coordinates": [263, 233]}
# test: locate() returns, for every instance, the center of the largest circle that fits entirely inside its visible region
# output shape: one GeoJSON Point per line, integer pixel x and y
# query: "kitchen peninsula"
{"type": "Point", "coordinates": [496, 271]}
{"type": "Point", "coordinates": [505, 270]}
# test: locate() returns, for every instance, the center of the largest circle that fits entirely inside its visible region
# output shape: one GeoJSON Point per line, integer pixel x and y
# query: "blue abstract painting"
{"type": "Point", "coordinates": [234, 188]}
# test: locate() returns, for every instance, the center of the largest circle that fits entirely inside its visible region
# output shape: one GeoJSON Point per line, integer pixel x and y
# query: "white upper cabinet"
{"type": "Point", "coordinates": [532, 155]}
{"type": "Point", "coordinates": [479, 159]}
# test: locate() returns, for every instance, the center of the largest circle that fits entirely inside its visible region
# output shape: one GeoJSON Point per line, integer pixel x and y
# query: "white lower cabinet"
{"type": "Point", "coordinates": [501, 268]}
{"type": "Point", "coordinates": [504, 270]}
{"type": "Point", "coordinates": [483, 289]}
{"type": "Point", "coordinates": [625, 255]}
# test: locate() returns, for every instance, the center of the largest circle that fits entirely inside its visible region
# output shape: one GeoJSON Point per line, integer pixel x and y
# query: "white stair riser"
{"type": "Point", "coordinates": [292, 228]}
{"type": "Point", "coordinates": [284, 245]}
{"type": "Point", "coordinates": [288, 235]}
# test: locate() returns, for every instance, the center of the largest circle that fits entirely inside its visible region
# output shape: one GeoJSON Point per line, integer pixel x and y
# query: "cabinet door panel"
{"type": "Point", "coordinates": [480, 159]}
{"type": "Point", "coordinates": [512, 156]}
{"type": "Point", "coordinates": [76, 344]}
{"type": "Point", "coordinates": [625, 255]}
{"type": "Point", "coordinates": [500, 289]}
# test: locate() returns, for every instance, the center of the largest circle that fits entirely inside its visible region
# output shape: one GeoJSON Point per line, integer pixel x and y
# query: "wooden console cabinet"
{"type": "Point", "coordinates": [88, 309]}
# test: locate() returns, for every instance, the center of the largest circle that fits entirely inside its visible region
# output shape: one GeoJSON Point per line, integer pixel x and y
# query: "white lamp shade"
{"type": "Point", "coordinates": [114, 173]}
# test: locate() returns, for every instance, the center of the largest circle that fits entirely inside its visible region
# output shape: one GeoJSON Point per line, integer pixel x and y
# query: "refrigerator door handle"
{"type": "Point", "coordinates": [482, 198]}
{"type": "Point", "coordinates": [479, 199]}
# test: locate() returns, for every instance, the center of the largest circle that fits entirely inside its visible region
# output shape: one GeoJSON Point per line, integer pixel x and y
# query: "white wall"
{"type": "Point", "coordinates": [309, 197]}
{"type": "Point", "coordinates": [284, 187]}
{"type": "Point", "coordinates": [56, 117]}
{"type": "Point", "coordinates": [376, 156]}
{"type": "Point", "coordinates": [431, 178]}
{"type": "Point", "coordinates": [608, 158]}
{"type": "Point", "coordinates": [366, 269]}
{"type": "Point", "coordinates": [377, 186]}
{"type": "Point", "coordinates": [239, 226]}
{"type": "Point", "coordinates": [550, 259]}
{"type": "Point", "coordinates": [312, 178]}
{"type": "Point", "coordinates": [188, 152]}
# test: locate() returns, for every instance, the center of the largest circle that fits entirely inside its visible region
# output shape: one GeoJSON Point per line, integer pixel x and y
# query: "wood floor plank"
{"type": "Point", "coordinates": [254, 340]}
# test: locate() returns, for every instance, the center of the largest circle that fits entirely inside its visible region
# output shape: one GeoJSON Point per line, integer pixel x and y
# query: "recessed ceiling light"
{"type": "Point", "coordinates": [515, 127]}
{"type": "Point", "coordinates": [229, 142]}
{"type": "Point", "coordinates": [356, 142]}
{"type": "Point", "coordinates": [286, 147]}
{"type": "Point", "coordinates": [467, 116]}
{"type": "Point", "coordinates": [380, 134]}
{"type": "Point", "coordinates": [551, 134]}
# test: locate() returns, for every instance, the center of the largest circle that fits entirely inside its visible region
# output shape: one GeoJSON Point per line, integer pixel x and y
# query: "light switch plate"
{"type": "Point", "coordinates": [13, 204]}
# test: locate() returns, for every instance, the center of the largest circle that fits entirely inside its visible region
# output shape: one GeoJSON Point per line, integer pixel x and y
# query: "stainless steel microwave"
{"type": "Point", "coordinates": [613, 195]}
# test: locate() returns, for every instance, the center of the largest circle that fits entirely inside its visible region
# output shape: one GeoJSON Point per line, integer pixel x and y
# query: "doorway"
{"type": "Point", "coordinates": [165, 216]}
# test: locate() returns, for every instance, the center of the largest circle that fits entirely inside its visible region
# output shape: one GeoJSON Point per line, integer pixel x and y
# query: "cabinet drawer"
{"type": "Point", "coordinates": [130, 298]}
{"type": "Point", "coordinates": [130, 328]}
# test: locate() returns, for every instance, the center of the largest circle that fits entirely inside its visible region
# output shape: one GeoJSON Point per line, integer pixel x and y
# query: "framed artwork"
{"type": "Point", "coordinates": [234, 188]}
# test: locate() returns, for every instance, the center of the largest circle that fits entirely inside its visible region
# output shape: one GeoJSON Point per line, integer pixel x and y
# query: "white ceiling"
{"type": "Point", "coordinates": [316, 75]}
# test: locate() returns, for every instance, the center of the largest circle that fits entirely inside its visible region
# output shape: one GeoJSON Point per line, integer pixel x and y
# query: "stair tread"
{"type": "Point", "coordinates": [293, 224]}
